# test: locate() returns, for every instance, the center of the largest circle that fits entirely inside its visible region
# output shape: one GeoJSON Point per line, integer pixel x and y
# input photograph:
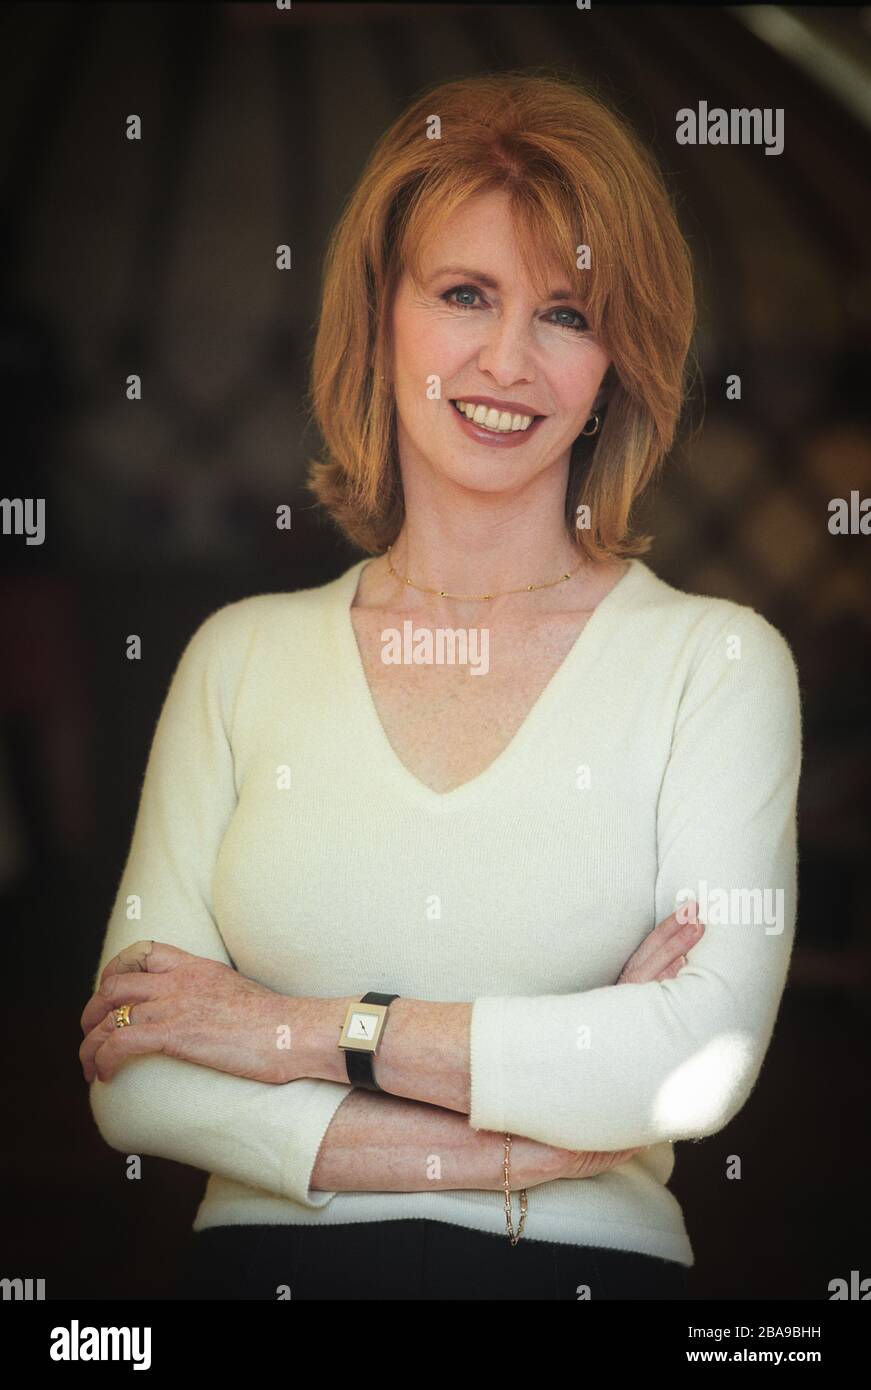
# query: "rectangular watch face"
{"type": "Point", "coordinates": [362, 1028]}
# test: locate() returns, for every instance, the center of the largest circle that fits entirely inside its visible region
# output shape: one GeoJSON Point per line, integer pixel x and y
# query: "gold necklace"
{"type": "Point", "coordinates": [442, 593]}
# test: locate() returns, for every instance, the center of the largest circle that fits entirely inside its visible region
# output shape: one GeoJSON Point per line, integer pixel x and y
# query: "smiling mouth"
{"type": "Point", "coordinates": [496, 421]}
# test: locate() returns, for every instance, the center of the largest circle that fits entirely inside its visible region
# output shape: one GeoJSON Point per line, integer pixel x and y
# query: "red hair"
{"type": "Point", "coordinates": [576, 174]}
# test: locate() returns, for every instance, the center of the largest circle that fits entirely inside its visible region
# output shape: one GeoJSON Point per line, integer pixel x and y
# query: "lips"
{"type": "Point", "coordinates": [499, 421]}
{"type": "Point", "coordinates": [512, 407]}
{"type": "Point", "coordinates": [495, 439]}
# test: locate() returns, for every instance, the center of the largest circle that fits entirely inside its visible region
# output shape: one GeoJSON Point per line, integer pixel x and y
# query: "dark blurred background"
{"type": "Point", "coordinates": [158, 257]}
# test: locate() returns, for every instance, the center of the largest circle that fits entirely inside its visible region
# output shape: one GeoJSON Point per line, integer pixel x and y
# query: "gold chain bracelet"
{"type": "Point", "coordinates": [523, 1198]}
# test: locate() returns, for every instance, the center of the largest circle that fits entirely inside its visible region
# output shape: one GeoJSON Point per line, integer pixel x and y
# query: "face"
{"type": "Point", "coordinates": [475, 323]}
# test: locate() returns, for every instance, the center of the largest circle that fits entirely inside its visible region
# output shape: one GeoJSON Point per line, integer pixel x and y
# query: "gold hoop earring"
{"type": "Point", "coordinates": [595, 429]}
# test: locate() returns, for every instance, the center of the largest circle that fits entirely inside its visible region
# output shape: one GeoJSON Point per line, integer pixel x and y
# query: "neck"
{"type": "Point", "coordinates": [472, 542]}
{"type": "Point", "coordinates": [483, 570]}
{"type": "Point", "coordinates": [468, 564]}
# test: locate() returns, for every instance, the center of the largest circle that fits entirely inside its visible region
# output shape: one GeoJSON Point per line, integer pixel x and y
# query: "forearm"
{"type": "Point", "coordinates": [385, 1143]}
{"type": "Point", "coordinates": [425, 1049]}
{"type": "Point", "coordinates": [423, 1054]}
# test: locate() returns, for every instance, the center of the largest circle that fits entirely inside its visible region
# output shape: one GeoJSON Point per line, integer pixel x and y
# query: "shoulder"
{"type": "Point", "coordinates": [704, 626]}
{"type": "Point", "coordinates": [257, 613]}
{"type": "Point", "coordinates": [264, 623]}
{"type": "Point", "coordinates": [729, 667]}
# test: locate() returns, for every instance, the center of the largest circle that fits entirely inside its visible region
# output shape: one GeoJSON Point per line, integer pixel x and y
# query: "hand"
{"type": "Point", "coordinates": [532, 1163]}
{"type": "Point", "coordinates": [587, 1165]}
{"type": "Point", "coordinates": [661, 954]}
{"type": "Point", "coordinates": [187, 1007]}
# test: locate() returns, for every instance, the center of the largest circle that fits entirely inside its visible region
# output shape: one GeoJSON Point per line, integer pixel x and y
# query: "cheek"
{"type": "Point", "coordinates": [576, 377]}
{"type": "Point", "coordinates": [429, 345]}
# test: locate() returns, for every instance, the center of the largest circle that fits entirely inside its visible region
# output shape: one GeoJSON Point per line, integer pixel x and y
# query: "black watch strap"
{"type": "Point", "coordinates": [359, 1064]}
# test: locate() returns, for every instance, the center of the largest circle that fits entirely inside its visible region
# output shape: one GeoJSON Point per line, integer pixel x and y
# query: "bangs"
{"type": "Point", "coordinates": [550, 225]}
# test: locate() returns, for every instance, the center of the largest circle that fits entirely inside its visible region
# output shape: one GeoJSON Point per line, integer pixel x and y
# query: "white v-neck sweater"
{"type": "Point", "coordinates": [661, 761]}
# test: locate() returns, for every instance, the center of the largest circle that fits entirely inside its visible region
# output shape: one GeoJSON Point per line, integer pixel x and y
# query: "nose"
{"type": "Point", "coordinates": [505, 354]}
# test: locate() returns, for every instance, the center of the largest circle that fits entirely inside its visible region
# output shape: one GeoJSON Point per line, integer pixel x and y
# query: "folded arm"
{"type": "Point", "coordinates": [612, 1067]}
{"type": "Point", "coordinates": [603, 1069]}
{"type": "Point", "coordinates": [264, 1135]}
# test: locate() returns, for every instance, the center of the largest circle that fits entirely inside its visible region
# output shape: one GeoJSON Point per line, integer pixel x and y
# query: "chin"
{"type": "Point", "coordinates": [486, 477]}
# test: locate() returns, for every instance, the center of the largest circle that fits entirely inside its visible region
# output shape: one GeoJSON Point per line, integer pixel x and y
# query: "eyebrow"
{"type": "Point", "coordinates": [488, 280]}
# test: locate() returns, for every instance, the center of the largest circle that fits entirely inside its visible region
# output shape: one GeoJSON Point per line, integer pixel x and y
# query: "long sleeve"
{"type": "Point", "coordinates": [678, 1059]}
{"type": "Point", "coordinates": [264, 1135]}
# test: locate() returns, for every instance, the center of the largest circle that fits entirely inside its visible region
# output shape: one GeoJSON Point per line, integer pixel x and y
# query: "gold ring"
{"type": "Point", "coordinates": [122, 1016]}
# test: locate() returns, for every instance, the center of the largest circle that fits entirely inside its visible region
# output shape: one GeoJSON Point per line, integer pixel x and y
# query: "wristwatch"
{"type": "Point", "coordinates": [360, 1035]}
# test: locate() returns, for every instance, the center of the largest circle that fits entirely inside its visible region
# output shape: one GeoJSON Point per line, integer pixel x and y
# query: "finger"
{"type": "Point", "coordinates": [687, 912]}
{"type": "Point", "coordinates": [123, 1043]}
{"type": "Point", "coordinates": [674, 969]}
{"type": "Point", "coordinates": [140, 1015]}
{"type": "Point", "coordinates": [654, 941]}
{"type": "Point", "coordinates": [133, 957]}
{"type": "Point", "coordinates": [152, 956]}
{"type": "Point", "coordinates": [683, 939]}
{"type": "Point", "coordinates": [91, 1043]}
{"type": "Point", "coordinates": [115, 990]}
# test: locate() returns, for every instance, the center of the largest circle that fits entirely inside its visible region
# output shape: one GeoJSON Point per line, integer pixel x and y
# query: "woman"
{"type": "Point", "coordinates": [487, 777]}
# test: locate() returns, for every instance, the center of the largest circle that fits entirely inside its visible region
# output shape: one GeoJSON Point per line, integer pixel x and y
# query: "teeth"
{"type": "Point", "coordinates": [501, 422]}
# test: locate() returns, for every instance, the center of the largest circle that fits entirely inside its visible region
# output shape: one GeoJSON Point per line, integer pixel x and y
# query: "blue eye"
{"type": "Point", "coordinates": [460, 289]}
{"type": "Point", "coordinates": [580, 326]}
{"type": "Point", "coordinates": [576, 327]}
